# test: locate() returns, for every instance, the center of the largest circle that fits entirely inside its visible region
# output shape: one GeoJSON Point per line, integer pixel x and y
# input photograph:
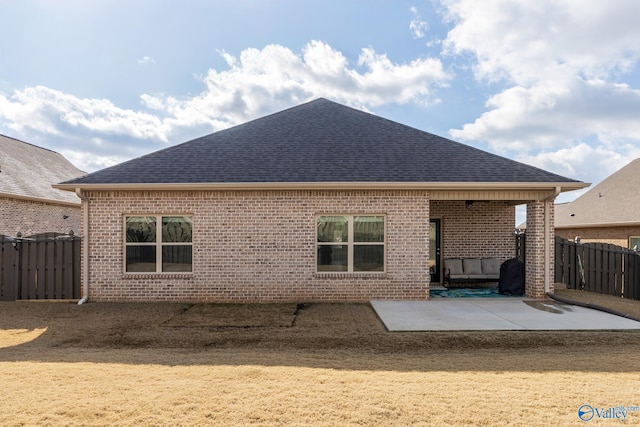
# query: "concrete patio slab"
{"type": "Point", "coordinates": [484, 314]}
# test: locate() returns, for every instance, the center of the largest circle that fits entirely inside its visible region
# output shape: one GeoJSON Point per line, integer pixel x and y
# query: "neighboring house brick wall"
{"type": "Point", "coordinates": [32, 217]}
{"type": "Point", "coordinates": [259, 246]}
{"type": "Point", "coordinates": [484, 230]}
{"type": "Point", "coordinates": [613, 235]}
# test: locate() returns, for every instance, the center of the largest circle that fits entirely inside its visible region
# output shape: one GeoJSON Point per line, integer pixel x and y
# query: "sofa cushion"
{"type": "Point", "coordinates": [472, 266]}
{"type": "Point", "coordinates": [453, 266]}
{"type": "Point", "coordinates": [491, 267]}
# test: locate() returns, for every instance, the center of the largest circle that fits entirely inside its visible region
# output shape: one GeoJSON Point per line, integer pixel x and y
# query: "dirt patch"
{"type": "Point", "coordinates": [221, 316]}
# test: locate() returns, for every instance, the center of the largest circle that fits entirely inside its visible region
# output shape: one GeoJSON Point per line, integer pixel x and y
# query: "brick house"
{"type": "Point", "coordinates": [28, 203]}
{"type": "Point", "coordinates": [607, 213]}
{"type": "Point", "coordinates": [320, 202]}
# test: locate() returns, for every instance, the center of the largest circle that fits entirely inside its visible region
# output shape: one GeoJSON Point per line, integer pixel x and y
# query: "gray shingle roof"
{"type": "Point", "coordinates": [317, 142]}
{"type": "Point", "coordinates": [615, 200]}
{"type": "Point", "coordinates": [28, 171]}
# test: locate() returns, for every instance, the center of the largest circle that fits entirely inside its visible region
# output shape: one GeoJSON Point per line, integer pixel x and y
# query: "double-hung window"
{"type": "Point", "coordinates": [350, 243]}
{"type": "Point", "coordinates": [158, 244]}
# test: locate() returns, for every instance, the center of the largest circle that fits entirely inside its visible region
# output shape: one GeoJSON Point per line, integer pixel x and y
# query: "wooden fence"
{"type": "Point", "coordinates": [42, 267]}
{"type": "Point", "coordinates": [598, 267]}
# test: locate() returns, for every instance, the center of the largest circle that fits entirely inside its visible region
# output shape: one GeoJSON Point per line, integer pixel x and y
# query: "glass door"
{"type": "Point", "coordinates": [434, 250]}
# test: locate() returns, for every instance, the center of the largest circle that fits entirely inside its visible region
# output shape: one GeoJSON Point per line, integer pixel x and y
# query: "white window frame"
{"type": "Point", "coordinates": [158, 244]}
{"type": "Point", "coordinates": [350, 243]}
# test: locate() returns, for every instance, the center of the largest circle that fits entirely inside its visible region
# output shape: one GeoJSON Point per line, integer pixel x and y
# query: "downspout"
{"type": "Point", "coordinates": [547, 240]}
{"type": "Point", "coordinates": [85, 247]}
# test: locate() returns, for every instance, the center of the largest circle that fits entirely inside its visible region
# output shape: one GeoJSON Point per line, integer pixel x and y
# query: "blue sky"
{"type": "Point", "coordinates": [552, 83]}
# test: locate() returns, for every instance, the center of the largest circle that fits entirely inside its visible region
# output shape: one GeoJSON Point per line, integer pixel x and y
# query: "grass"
{"type": "Point", "coordinates": [313, 364]}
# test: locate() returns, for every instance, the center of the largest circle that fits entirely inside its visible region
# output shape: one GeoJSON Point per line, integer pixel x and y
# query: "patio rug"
{"type": "Point", "coordinates": [466, 293]}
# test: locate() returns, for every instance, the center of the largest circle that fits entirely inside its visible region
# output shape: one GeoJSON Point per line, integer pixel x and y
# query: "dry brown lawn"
{"type": "Point", "coordinates": [315, 364]}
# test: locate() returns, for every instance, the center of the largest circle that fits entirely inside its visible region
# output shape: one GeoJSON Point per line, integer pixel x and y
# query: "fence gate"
{"type": "Point", "coordinates": [40, 267]}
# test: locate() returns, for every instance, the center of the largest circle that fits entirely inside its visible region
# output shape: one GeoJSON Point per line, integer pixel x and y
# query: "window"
{"type": "Point", "coordinates": [348, 243]}
{"type": "Point", "coordinates": [158, 244]}
{"type": "Point", "coordinates": [634, 243]}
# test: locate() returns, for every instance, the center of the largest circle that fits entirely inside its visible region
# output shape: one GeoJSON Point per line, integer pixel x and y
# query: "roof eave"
{"type": "Point", "coordinates": [599, 225]}
{"type": "Point", "coordinates": [531, 186]}
{"type": "Point", "coordinates": [40, 199]}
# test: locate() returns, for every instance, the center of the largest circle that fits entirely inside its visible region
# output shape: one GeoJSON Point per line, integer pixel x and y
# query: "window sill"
{"type": "Point", "coordinates": [185, 275]}
{"type": "Point", "coordinates": [345, 275]}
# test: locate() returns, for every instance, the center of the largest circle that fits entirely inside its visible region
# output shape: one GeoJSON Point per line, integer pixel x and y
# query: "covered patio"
{"type": "Point", "coordinates": [481, 224]}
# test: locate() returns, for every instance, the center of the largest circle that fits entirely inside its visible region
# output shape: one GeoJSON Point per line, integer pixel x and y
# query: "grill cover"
{"type": "Point", "coordinates": [511, 280]}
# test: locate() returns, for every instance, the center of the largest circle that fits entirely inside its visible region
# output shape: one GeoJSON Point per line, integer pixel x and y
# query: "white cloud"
{"type": "Point", "coordinates": [551, 115]}
{"type": "Point", "coordinates": [587, 162]}
{"type": "Point", "coordinates": [49, 111]}
{"type": "Point", "coordinates": [417, 26]}
{"type": "Point", "coordinates": [578, 159]}
{"type": "Point", "coordinates": [91, 133]}
{"type": "Point", "coordinates": [146, 60]}
{"type": "Point", "coordinates": [90, 161]}
{"type": "Point", "coordinates": [528, 42]}
{"type": "Point", "coordinates": [262, 81]}
{"type": "Point", "coordinates": [558, 69]}
{"type": "Point", "coordinates": [96, 133]}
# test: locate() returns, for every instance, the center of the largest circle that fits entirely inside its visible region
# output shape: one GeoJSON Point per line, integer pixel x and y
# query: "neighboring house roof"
{"type": "Point", "coordinates": [319, 144]}
{"type": "Point", "coordinates": [613, 202]}
{"type": "Point", "coordinates": [28, 172]}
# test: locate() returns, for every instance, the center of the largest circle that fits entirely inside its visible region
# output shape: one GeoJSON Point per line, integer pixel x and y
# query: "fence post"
{"type": "Point", "coordinates": [8, 269]}
{"type": "Point", "coordinates": [558, 270]}
{"type": "Point", "coordinates": [520, 245]}
{"type": "Point", "coordinates": [632, 276]}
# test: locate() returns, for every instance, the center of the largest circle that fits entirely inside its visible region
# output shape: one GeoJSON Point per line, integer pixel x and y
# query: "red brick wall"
{"type": "Point", "coordinates": [259, 246]}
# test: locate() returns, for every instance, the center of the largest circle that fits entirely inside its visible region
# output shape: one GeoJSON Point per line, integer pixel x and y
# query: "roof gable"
{"type": "Point", "coordinates": [614, 201]}
{"type": "Point", "coordinates": [28, 171]}
{"type": "Point", "coordinates": [320, 142]}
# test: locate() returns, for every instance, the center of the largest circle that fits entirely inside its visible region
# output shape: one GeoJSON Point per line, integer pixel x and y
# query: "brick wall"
{"type": "Point", "coordinates": [613, 235]}
{"type": "Point", "coordinates": [259, 246]}
{"type": "Point", "coordinates": [31, 217]}
{"type": "Point", "coordinates": [535, 252]}
{"type": "Point", "coordinates": [485, 229]}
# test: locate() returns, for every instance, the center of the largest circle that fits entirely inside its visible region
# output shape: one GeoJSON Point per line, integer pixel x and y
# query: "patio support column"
{"type": "Point", "coordinates": [84, 246]}
{"type": "Point", "coordinates": [540, 247]}
{"type": "Point", "coordinates": [428, 248]}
